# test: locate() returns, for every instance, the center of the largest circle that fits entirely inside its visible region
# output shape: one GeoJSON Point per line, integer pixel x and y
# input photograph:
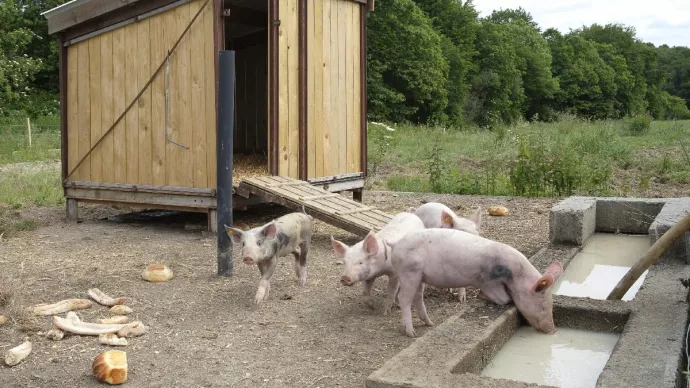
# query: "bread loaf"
{"type": "Point", "coordinates": [498, 211]}
{"type": "Point", "coordinates": [111, 367]}
{"type": "Point", "coordinates": [157, 273]}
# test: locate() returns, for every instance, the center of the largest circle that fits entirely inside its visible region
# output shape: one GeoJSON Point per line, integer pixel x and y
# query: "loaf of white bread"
{"type": "Point", "coordinates": [111, 367]}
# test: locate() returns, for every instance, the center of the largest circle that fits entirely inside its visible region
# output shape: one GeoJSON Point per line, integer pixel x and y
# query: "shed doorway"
{"type": "Point", "coordinates": [245, 24]}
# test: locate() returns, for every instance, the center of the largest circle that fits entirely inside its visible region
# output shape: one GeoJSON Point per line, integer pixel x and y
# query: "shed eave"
{"type": "Point", "coordinates": [77, 12]}
{"type": "Point", "coordinates": [63, 7]}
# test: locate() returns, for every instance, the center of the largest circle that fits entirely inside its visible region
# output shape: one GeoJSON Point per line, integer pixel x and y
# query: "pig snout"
{"type": "Point", "coordinates": [545, 326]}
{"type": "Point", "coordinates": [248, 260]}
{"type": "Point", "coordinates": [346, 280]}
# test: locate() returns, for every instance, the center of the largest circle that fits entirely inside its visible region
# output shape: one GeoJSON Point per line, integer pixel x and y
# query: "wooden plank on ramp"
{"type": "Point", "coordinates": [321, 204]}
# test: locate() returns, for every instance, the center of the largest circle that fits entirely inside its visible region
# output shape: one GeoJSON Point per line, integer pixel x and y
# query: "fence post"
{"type": "Point", "coordinates": [225, 125]}
{"type": "Point", "coordinates": [28, 130]}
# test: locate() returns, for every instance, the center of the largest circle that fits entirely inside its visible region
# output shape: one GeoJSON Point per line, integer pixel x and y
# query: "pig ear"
{"type": "Point", "coordinates": [543, 284]}
{"type": "Point", "coordinates": [555, 270]}
{"type": "Point", "coordinates": [235, 234]}
{"type": "Point", "coordinates": [446, 219]}
{"type": "Point", "coordinates": [371, 245]}
{"type": "Point", "coordinates": [270, 230]}
{"type": "Point", "coordinates": [339, 248]}
{"type": "Point", "coordinates": [477, 217]}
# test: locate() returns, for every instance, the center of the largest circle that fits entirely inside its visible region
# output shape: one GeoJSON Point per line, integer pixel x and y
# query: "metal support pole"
{"type": "Point", "coordinates": [226, 108]}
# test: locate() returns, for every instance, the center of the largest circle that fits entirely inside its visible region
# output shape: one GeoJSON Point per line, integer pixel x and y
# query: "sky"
{"type": "Point", "coordinates": [656, 21]}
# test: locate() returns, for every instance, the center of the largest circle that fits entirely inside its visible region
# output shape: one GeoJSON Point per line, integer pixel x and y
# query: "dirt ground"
{"type": "Point", "coordinates": [204, 330]}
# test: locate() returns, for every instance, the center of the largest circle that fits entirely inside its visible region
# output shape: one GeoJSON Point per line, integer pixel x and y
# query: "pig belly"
{"type": "Point", "coordinates": [440, 276]}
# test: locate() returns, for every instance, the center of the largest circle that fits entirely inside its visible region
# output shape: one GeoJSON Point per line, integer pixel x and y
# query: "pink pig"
{"type": "Point", "coordinates": [368, 260]}
{"type": "Point", "coordinates": [448, 258]}
{"type": "Point", "coordinates": [438, 215]}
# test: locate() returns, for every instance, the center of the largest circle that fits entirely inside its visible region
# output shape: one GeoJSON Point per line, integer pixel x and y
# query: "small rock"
{"type": "Point", "coordinates": [339, 262]}
{"type": "Point", "coordinates": [286, 297]}
{"type": "Point", "coordinates": [3, 320]}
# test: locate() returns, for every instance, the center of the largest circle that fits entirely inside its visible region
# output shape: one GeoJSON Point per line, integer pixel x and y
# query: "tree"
{"type": "Point", "coordinates": [587, 82]}
{"type": "Point", "coordinates": [407, 73]}
{"type": "Point", "coordinates": [457, 25]}
{"type": "Point", "coordinates": [534, 60]}
{"type": "Point", "coordinates": [512, 16]}
{"type": "Point", "coordinates": [28, 56]}
{"type": "Point", "coordinates": [674, 62]}
{"type": "Point", "coordinates": [497, 93]}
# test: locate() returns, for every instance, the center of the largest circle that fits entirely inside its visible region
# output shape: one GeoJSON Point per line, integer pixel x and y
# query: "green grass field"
{"type": "Point", "coordinates": [531, 159]}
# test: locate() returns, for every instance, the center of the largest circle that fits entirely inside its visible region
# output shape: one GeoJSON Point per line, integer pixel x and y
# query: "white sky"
{"type": "Point", "coordinates": [655, 21]}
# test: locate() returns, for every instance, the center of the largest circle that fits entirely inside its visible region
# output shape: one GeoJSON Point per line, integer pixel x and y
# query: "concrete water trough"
{"type": "Point", "coordinates": [635, 342]}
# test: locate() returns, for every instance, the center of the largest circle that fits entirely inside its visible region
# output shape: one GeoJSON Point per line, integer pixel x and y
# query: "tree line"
{"type": "Point", "coordinates": [435, 62]}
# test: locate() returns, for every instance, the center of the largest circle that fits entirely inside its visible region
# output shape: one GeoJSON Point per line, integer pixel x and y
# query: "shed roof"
{"type": "Point", "coordinates": [76, 12]}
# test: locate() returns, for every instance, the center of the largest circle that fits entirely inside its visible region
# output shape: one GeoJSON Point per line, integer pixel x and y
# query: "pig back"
{"type": "Point", "coordinates": [293, 229]}
{"type": "Point", "coordinates": [446, 256]}
{"type": "Point", "coordinates": [399, 226]}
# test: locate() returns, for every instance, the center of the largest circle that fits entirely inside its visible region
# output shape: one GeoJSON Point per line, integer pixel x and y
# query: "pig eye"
{"type": "Point", "coordinates": [361, 262]}
{"type": "Point", "coordinates": [259, 243]}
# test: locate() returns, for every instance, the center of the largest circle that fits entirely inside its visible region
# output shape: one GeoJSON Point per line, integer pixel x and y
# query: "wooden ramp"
{"type": "Point", "coordinates": [321, 204]}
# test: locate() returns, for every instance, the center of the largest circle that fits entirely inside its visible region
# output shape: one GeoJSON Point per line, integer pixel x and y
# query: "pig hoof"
{"type": "Point", "coordinates": [410, 333]}
{"type": "Point", "coordinates": [429, 323]}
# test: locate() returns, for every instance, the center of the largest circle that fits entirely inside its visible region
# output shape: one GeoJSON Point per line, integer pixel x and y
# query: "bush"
{"type": "Point", "coordinates": [639, 125]}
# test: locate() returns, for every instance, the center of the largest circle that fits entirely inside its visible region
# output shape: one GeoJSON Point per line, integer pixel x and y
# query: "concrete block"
{"type": "Point", "coordinates": [572, 221]}
{"type": "Point", "coordinates": [670, 214]}
{"type": "Point", "coordinates": [627, 215]}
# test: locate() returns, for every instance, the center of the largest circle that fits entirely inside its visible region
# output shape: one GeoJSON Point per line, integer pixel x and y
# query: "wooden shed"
{"type": "Point", "coordinates": [139, 87]}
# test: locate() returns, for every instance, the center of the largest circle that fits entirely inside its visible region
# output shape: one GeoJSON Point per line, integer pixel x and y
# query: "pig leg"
{"type": "Point", "coordinates": [393, 285]}
{"type": "Point", "coordinates": [409, 284]}
{"type": "Point", "coordinates": [419, 305]}
{"type": "Point", "coordinates": [462, 294]}
{"type": "Point", "coordinates": [301, 262]}
{"type": "Point", "coordinates": [265, 281]}
{"type": "Point", "coordinates": [368, 300]}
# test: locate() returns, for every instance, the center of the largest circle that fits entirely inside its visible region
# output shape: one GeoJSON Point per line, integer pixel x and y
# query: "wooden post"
{"type": "Point", "coordinates": [28, 130]}
{"type": "Point", "coordinates": [225, 125]}
{"type": "Point", "coordinates": [652, 256]}
{"type": "Point", "coordinates": [72, 210]}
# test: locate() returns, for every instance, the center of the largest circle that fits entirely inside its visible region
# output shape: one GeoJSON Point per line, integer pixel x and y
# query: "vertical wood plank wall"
{"type": "Point", "coordinates": [333, 90]}
{"type": "Point", "coordinates": [288, 109]}
{"type": "Point", "coordinates": [106, 72]}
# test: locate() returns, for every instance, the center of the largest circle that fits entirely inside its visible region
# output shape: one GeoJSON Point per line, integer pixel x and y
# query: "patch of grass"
{"type": "Point", "coordinates": [572, 156]}
{"type": "Point", "coordinates": [45, 140]}
{"type": "Point", "coordinates": [414, 184]}
{"type": "Point", "coordinates": [26, 185]}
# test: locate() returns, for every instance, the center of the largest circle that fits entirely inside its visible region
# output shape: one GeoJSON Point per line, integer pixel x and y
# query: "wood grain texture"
{"type": "Point", "coordinates": [333, 115]}
{"type": "Point", "coordinates": [283, 94]}
{"type": "Point", "coordinates": [119, 105]}
{"type": "Point", "coordinates": [132, 117]}
{"type": "Point", "coordinates": [210, 93]}
{"type": "Point", "coordinates": [293, 88]}
{"type": "Point", "coordinates": [317, 105]}
{"type": "Point", "coordinates": [349, 94]}
{"type": "Point", "coordinates": [73, 109]}
{"type": "Point", "coordinates": [198, 99]}
{"type": "Point", "coordinates": [107, 108]}
{"type": "Point", "coordinates": [185, 160]}
{"type": "Point", "coordinates": [144, 104]}
{"type": "Point", "coordinates": [84, 119]}
{"type": "Point", "coordinates": [158, 33]}
{"type": "Point", "coordinates": [312, 64]}
{"type": "Point", "coordinates": [342, 87]}
{"type": "Point", "coordinates": [96, 104]}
